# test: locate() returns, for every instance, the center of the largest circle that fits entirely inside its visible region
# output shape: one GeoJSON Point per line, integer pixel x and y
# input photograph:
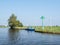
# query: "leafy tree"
{"type": "Point", "coordinates": [13, 22]}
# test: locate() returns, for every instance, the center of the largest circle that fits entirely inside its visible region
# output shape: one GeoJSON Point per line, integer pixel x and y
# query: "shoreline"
{"type": "Point", "coordinates": [48, 29]}
{"type": "Point", "coordinates": [48, 32]}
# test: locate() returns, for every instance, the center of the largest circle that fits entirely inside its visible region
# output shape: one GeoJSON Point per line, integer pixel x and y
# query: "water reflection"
{"type": "Point", "coordinates": [13, 36]}
{"type": "Point", "coordinates": [23, 37]}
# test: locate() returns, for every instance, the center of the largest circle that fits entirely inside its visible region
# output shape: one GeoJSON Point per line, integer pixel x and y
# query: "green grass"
{"type": "Point", "coordinates": [3, 26]}
{"type": "Point", "coordinates": [53, 29]}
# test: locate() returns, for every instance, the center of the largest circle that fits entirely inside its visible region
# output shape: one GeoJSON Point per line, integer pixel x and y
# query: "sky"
{"type": "Point", "coordinates": [29, 11]}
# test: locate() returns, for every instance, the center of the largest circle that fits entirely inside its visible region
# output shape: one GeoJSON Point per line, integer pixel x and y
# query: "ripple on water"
{"type": "Point", "coordinates": [23, 37]}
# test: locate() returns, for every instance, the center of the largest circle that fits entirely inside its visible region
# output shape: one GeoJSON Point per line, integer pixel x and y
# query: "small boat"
{"type": "Point", "coordinates": [30, 29]}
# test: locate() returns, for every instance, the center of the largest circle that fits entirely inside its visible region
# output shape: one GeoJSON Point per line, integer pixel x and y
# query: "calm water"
{"type": "Point", "coordinates": [23, 37]}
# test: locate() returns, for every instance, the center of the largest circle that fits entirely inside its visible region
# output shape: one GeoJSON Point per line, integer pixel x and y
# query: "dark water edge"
{"type": "Point", "coordinates": [23, 37]}
{"type": "Point", "coordinates": [57, 33]}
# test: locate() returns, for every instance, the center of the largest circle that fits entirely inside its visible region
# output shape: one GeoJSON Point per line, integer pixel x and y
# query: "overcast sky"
{"type": "Point", "coordinates": [30, 11]}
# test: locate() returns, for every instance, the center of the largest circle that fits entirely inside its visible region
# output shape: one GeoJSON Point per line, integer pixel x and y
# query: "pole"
{"type": "Point", "coordinates": [42, 25]}
{"type": "Point", "coordinates": [42, 17]}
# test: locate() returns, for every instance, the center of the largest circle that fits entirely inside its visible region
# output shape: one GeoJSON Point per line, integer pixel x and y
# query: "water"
{"type": "Point", "coordinates": [23, 37]}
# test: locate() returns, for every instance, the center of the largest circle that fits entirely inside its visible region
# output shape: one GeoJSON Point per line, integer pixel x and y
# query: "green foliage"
{"type": "Point", "coordinates": [13, 22]}
{"type": "Point", "coordinates": [3, 26]}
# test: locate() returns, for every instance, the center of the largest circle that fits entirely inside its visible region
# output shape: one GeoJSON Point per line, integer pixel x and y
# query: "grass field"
{"type": "Point", "coordinates": [51, 29]}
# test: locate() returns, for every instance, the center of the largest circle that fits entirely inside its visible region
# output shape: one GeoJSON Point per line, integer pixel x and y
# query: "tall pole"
{"type": "Point", "coordinates": [42, 17]}
{"type": "Point", "coordinates": [42, 25]}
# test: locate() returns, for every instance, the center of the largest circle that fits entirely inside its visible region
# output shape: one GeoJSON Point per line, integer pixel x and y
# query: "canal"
{"type": "Point", "coordinates": [24, 37]}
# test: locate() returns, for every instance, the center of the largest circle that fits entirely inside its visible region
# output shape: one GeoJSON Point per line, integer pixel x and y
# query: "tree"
{"type": "Point", "coordinates": [13, 22]}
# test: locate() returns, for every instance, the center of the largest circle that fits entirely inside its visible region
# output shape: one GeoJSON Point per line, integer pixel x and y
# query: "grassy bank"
{"type": "Point", "coordinates": [48, 29]}
{"type": "Point", "coordinates": [21, 28]}
{"type": "Point", "coordinates": [3, 26]}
